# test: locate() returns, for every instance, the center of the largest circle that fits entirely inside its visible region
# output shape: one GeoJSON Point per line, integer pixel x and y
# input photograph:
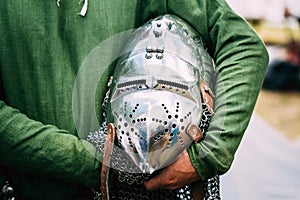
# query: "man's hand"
{"type": "Point", "coordinates": [180, 173]}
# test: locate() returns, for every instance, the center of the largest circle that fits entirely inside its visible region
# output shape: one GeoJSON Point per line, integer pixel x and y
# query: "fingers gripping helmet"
{"type": "Point", "coordinates": [155, 98]}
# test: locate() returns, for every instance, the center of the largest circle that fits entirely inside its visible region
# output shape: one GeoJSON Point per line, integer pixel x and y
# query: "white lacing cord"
{"type": "Point", "coordinates": [58, 3]}
{"type": "Point", "coordinates": [83, 9]}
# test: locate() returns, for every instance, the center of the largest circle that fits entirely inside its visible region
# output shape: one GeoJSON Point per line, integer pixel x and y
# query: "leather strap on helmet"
{"type": "Point", "coordinates": [109, 143]}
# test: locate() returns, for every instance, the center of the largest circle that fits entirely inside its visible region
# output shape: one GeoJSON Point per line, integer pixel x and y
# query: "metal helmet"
{"type": "Point", "coordinates": [155, 97]}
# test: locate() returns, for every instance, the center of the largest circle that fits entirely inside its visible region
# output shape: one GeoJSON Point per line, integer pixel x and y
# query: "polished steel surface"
{"type": "Point", "coordinates": [155, 93]}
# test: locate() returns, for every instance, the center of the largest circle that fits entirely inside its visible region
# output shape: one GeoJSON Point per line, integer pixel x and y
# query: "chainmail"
{"type": "Point", "coordinates": [127, 184]}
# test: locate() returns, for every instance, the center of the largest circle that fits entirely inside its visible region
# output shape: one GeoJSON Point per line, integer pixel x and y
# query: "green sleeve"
{"type": "Point", "coordinates": [25, 139]}
{"type": "Point", "coordinates": [241, 60]}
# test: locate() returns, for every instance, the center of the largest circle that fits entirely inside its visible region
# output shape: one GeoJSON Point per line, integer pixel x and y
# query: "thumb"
{"type": "Point", "coordinates": [154, 183]}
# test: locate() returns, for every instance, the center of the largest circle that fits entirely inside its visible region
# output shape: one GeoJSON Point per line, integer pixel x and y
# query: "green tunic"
{"type": "Point", "coordinates": [42, 47]}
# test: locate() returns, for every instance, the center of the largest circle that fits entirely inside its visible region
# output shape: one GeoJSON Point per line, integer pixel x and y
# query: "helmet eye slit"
{"type": "Point", "coordinates": [172, 84]}
{"type": "Point", "coordinates": [131, 83]}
